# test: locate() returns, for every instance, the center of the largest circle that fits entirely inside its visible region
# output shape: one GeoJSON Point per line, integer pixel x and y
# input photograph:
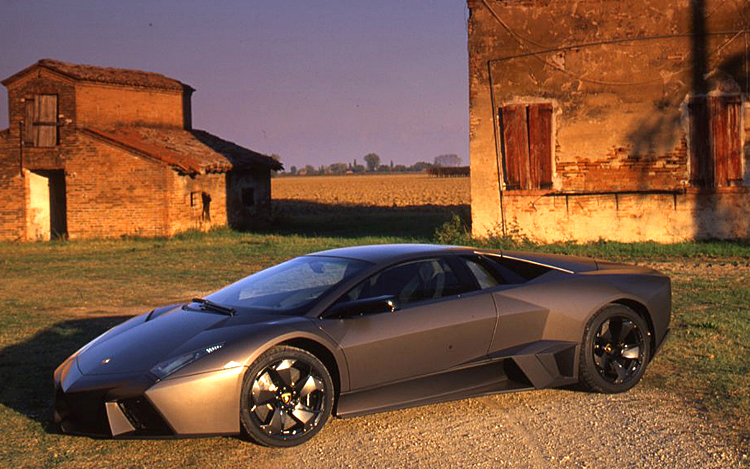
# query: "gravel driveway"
{"type": "Point", "coordinates": [540, 429]}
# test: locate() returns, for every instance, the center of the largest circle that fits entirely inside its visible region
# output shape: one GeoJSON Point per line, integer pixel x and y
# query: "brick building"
{"type": "Point", "coordinates": [604, 119]}
{"type": "Point", "coordinates": [104, 152]}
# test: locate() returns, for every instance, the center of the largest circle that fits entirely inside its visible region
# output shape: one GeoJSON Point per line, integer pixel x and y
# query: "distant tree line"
{"type": "Point", "coordinates": [442, 165]}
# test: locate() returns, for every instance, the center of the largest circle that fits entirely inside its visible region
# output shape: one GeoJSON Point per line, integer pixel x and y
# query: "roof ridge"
{"type": "Point", "coordinates": [109, 75]}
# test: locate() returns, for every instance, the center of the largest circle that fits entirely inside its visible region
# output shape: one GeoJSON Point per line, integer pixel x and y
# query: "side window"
{"type": "Point", "coordinates": [411, 282]}
{"type": "Point", "coordinates": [481, 274]}
{"type": "Point", "coordinates": [514, 271]}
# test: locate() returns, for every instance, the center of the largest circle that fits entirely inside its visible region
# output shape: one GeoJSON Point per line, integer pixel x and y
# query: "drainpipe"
{"type": "Point", "coordinates": [497, 147]}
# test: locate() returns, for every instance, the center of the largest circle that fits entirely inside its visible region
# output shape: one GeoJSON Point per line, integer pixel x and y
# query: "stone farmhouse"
{"type": "Point", "coordinates": [105, 152]}
{"type": "Point", "coordinates": [604, 119]}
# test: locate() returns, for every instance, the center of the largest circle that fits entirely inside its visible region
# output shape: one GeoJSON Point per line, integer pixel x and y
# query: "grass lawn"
{"type": "Point", "coordinates": [56, 296]}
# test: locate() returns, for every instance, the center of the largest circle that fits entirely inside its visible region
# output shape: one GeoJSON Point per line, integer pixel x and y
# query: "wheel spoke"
{"type": "Point", "coordinates": [309, 385]}
{"type": "Point", "coordinates": [303, 413]}
{"type": "Point", "coordinates": [599, 360]}
{"type": "Point", "coordinates": [263, 411]}
{"type": "Point", "coordinates": [604, 331]}
{"type": "Point", "coordinates": [626, 327]}
{"type": "Point", "coordinates": [287, 372]}
{"type": "Point", "coordinates": [264, 389]}
{"type": "Point", "coordinates": [618, 368]}
{"type": "Point", "coordinates": [605, 363]}
{"type": "Point", "coordinates": [274, 426]}
{"type": "Point", "coordinates": [287, 422]}
{"type": "Point", "coordinates": [632, 352]}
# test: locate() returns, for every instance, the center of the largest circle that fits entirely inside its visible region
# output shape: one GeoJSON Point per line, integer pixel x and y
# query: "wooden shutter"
{"type": "Point", "coordinates": [715, 144]}
{"type": "Point", "coordinates": [701, 169]}
{"type": "Point", "coordinates": [540, 145]}
{"type": "Point", "coordinates": [527, 149]}
{"type": "Point", "coordinates": [515, 133]}
{"type": "Point", "coordinates": [725, 141]}
{"type": "Point", "coordinates": [45, 122]}
{"type": "Point", "coordinates": [28, 121]}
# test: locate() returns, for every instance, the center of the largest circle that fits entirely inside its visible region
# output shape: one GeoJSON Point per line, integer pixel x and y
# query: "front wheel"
{"type": "Point", "coordinates": [615, 351]}
{"type": "Point", "coordinates": [287, 397]}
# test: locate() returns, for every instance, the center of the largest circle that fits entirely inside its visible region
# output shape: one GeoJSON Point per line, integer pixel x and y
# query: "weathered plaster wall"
{"type": "Point", "coordinates": [628, 217]}
{"type": "Point", "coordinates": [187, 212]}
{"type": "Point", "coordinates": [620, 118]}
{"type": "Point", "coordinates": [240, 215]}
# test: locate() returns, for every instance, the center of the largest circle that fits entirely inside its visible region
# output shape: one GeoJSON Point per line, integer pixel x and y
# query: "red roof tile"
{"type": "Point", "coordinates": [188, 151]}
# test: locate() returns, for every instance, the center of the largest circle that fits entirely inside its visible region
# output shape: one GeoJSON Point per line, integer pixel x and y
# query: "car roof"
{"type": "Point", "coordinates": [378, 253]}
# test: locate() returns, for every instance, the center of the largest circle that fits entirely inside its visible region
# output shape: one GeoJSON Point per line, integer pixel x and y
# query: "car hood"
{"type": "Point", "coordinates": [139, 344]}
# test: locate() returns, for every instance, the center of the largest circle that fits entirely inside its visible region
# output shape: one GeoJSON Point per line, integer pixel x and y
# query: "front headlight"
{"type": "Point", "coordinates": [167, 367]}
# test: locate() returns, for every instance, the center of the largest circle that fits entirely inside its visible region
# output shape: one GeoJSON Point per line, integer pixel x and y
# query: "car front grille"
{"type": "Point", "coordinates": [85, 413]}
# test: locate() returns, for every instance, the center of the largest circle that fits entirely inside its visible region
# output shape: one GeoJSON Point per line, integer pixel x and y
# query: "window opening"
{"type": "Point", "coordinates": [526, 131]}
{"type": "Point", "coordinates": [715, 142]}
{"type": "Point", "coordinates": [40, 121]}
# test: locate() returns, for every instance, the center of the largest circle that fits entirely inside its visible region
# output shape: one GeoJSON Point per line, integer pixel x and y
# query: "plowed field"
{"type": "Point", "coordinates": [397, 190]}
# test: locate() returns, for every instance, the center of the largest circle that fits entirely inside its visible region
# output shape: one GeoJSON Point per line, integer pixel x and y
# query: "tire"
{"type": "Point", "coordinates": [615, 351]}
{"type": "Point", "coordinates": [287, 397]}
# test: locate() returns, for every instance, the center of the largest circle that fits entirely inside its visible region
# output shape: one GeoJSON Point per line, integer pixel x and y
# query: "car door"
{"type": "Point", "coordinates": [444, 320]}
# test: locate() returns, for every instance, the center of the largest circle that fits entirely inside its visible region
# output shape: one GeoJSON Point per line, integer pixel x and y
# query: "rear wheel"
{"type": "Point", "coordinates": [615, 351]}
{"type": "Point", "coordinates": [287, 397]}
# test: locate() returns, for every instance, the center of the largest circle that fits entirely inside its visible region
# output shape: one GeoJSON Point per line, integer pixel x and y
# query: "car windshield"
{"type": "Point", "coordinates": [289, 285]}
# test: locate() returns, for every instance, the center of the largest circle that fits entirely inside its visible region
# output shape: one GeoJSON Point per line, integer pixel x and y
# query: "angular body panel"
{"type": "Point", "coordinates": [414, 341]}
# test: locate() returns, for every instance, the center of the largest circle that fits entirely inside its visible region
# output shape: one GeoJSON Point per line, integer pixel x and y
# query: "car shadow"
{"type": "Point", "coordinates": [26, 368]}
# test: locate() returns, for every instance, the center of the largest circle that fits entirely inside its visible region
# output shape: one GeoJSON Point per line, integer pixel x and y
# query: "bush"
{"type": "Point", "coordinates": [454, 231]}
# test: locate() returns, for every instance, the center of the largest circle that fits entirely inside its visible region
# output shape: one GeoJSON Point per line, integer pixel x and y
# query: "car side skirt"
{"type": "Point", "coordinates": [536, 365]}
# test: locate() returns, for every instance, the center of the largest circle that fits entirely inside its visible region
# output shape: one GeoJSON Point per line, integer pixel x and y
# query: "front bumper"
{"type": "Point", "coordinates": [106, 405]}
{"type": "Point", "coordinates": [138, 405]}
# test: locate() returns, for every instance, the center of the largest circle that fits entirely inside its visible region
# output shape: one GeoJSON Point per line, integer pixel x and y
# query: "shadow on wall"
{"type": "Point", "coordinates": [26, 368]}
{"type": "Point", "coordinates": [340, 220]}
{"type": "Point", "coordinates": [664, 128]}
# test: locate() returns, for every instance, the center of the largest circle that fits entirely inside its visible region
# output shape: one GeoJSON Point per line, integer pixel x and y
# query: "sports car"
{"type": "Point", "coordinates": [364, 329]}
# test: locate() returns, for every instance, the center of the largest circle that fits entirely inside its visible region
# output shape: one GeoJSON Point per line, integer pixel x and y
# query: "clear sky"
{"type": "Point", "coordinates": [316, 81]}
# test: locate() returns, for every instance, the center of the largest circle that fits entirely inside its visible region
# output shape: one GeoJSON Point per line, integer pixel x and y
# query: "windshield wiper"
{"type": "Point", "coordinates": [208, 304]}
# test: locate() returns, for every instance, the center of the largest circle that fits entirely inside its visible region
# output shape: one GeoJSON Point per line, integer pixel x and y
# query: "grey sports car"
{"type": "Point", "coordinates": [364, 329]}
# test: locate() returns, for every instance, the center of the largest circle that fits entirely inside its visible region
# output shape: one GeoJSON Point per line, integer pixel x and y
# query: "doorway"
{"type": "Point", "coordinates": [47, 210]}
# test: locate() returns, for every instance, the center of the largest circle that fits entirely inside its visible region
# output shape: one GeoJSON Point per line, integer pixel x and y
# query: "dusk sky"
{"type": "Point", "coordinates": [314, 81]}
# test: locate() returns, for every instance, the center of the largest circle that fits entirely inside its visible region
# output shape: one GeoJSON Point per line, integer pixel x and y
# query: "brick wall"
{"type": "Point", "coordinates": [112, 192]}
{"type": "Point", "coordinates": [620, 119]}
{"type": "Point", "coordinates": [107, 105]}
{"type": "Point", "coordinates": [12, 205]}
{"type": "Point", "coordinates": [43, 82]}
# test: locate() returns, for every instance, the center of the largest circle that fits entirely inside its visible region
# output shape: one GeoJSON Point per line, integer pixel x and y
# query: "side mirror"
{"type": "Point", "coordinates": [376, 305]}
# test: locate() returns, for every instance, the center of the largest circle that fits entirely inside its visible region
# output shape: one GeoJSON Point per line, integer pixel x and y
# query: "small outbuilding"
{"type": "Point", "coordinates": [105, 152]}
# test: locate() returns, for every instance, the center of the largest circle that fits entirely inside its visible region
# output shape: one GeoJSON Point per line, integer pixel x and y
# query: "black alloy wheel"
{"type": "Point", "coordinates": [615, 351]}
{"type": "Point", "coordinates": [287, 397]}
